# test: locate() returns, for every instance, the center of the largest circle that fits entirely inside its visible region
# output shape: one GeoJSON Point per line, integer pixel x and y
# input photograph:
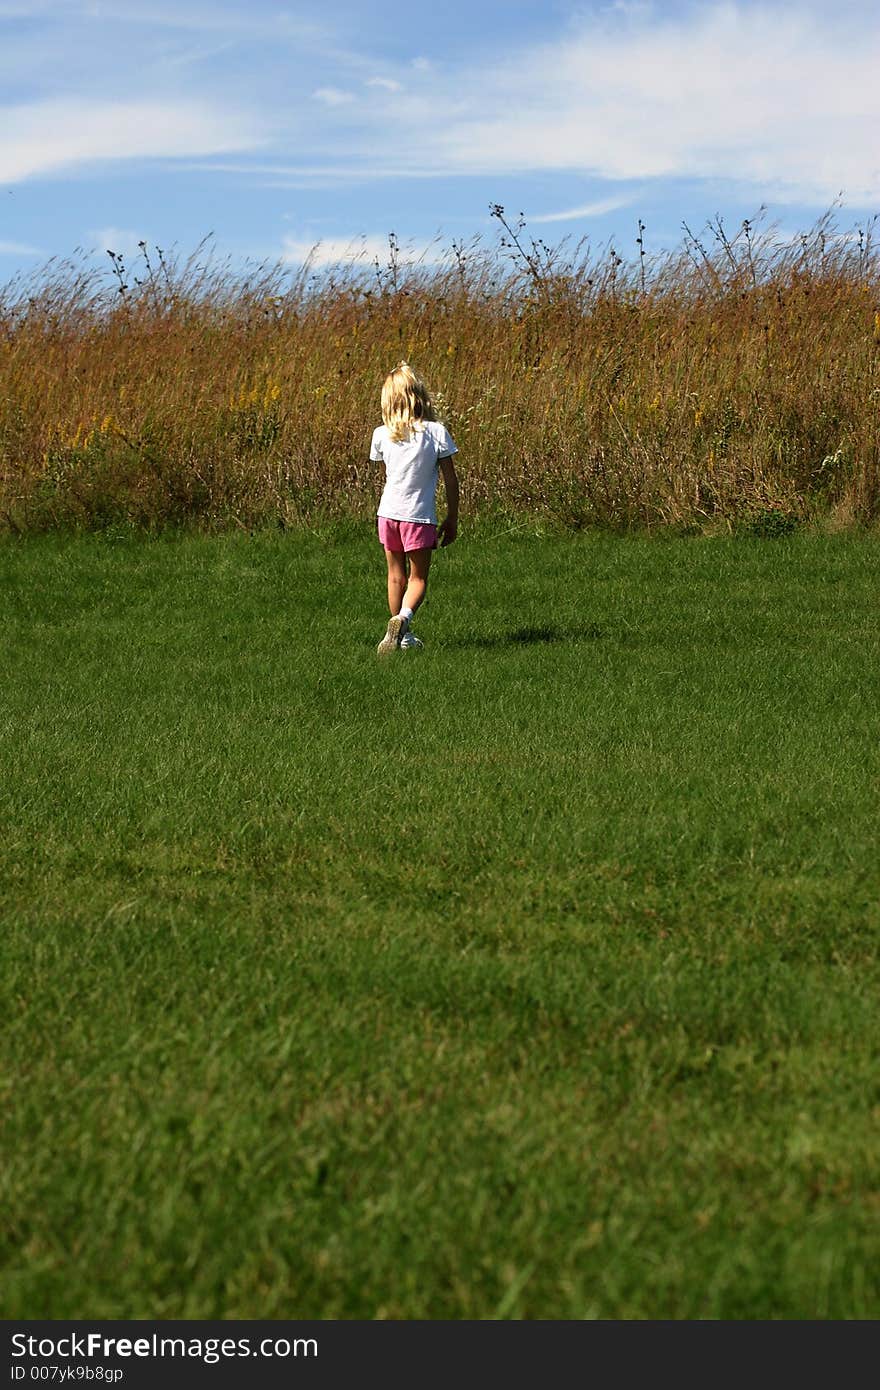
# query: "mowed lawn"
{"type": "Point", "coordinates": [533, 976]}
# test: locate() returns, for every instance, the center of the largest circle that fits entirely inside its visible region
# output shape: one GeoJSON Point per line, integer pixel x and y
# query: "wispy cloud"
{"type": "Point", "coordinates": [318, 175]}
{"type": "Point", "coordinates": [61, 135]}
{"type": "Point", "coordinates": [202, 53]}
{"type": "Point", "coordinates": [119, 239]}
{"type": "Point", "coordinates": [334, 251]}
{"type": "Point", "coordinates": [333, 96]}
{"type": "Point", "coordinates": [778, 98]}
{"type": "Point", "coordinates": [24, 9]}
{"type": "Point", "coordinates": [18, 248]}
{"type": "Point", "coordinates": [214, 17]}
{"type": "Point", "coordinates": [352, 250]}
{"type": "Point", "coordinates": [596, 209]}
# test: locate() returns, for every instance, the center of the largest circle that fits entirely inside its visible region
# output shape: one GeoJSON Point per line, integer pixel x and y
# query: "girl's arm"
{"type": "Point", "coordinates": [448, 529]}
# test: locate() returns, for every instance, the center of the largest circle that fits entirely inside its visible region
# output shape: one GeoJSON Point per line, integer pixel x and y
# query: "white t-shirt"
{"type": "Point", "coordinates": [411, 471]}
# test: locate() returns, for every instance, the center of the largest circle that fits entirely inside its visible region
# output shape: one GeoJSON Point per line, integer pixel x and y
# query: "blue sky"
{"type": "Point", "coordinates": [277, 127]}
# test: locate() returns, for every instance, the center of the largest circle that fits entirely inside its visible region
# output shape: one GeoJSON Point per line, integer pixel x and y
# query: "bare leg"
{"type": "Point", "coordinates": [396, 579]}
{"type": "Point", "coordinates": [419, 564]}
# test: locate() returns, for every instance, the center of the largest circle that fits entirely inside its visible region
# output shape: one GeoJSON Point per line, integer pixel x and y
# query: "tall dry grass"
{"type": "Point", "coordinates": [735, 379]}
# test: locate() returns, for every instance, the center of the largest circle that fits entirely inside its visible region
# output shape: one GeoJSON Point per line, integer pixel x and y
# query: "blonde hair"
{"type": "Point", "coordinates": [406, 403]}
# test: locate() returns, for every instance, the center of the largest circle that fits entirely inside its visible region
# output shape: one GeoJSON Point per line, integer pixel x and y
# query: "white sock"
{"type": "Point", "coordinates": [406, 614]}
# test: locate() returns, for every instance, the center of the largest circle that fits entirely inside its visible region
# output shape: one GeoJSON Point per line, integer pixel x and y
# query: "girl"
{"type": "Point", "coordinates": [413, 445]}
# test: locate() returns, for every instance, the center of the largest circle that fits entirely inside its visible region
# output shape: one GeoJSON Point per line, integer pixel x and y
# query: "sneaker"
{"type": "Point", "coordinates": [393, 633]}
{"type": "Point", "coordinates": [409, 642]}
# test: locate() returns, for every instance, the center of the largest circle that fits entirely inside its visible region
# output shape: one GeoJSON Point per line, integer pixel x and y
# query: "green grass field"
{"type": "Point", "coordinates": [532, 976]}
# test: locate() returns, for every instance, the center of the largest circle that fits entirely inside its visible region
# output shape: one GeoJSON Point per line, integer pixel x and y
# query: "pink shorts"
{"type": "Point", "coordinates": [407, 535]}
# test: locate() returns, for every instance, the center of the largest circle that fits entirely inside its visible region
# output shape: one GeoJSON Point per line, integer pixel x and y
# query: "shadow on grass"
{"type": "Point", "coordinates": [530, 636]}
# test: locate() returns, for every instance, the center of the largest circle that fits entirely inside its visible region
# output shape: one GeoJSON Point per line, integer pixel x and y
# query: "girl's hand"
{"type": "Point", "coordinates": [448, 529]}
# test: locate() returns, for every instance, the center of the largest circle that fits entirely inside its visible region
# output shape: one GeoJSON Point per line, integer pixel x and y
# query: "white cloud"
{"type": "Point", "coordinates": [324, 175]}
{"type": "Point", "coordinates": [54, 135]}
{"type": "Point", "coordinates": [233, 18]}
{"type": "Point", "coordinates": [118, 239]}
{"type": "Point", "coordinates": [785, 99]}
{"type": "Point", "coordinates": [191, 57]}
{"type": "Point", "coordinates": [638, 8]}
{"type": "Point", "coordinates": [776, 96]}
{"type": "Point", "coordinates": [332, 96]}
{"type": "Point", "coordinates": [359, 250]}
{"type": "Point", "coordinates": [596, 209]}
{"type": "Point", "coordinates": [18, 248]}
{"type": "Point", "coordinates": [335, 251]}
